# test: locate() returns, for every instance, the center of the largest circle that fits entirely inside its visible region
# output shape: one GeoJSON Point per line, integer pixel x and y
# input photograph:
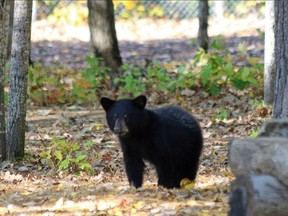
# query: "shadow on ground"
{"type": "Point", "coordinates": [72, 55]}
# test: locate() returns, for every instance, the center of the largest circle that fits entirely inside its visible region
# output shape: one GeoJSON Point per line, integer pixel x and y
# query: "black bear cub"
{"type": "Point", "coordinates": [168, 137]}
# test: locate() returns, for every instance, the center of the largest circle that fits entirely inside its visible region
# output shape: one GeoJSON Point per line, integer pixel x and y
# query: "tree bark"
{"type": "Point", "coordinates": [10, 28]}
{"type": "Point", "coordinates": [253, 195]}
{"type": "Point", "coordinates": [18, 79]}
{"type": "Point", "coordinates": [103, 34]}
{"type": "Point", "coordinates": [261, 155]}
{"type": "Point", "coordinates": [269, 54]}
{"type": "Point", "coordinates": [203, 24]}
{"type": "Point", "coordinates": [281, 59]}
{"type": "Point", "coordinates": [4, 28]}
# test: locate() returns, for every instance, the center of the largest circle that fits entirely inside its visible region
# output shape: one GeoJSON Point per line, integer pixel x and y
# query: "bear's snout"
{"type": "Point", "coordinates": [120, 128]}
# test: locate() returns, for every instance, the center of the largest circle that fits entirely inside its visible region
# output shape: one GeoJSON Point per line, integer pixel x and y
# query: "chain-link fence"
{"type": "Point", "coordinates": [165, 9]}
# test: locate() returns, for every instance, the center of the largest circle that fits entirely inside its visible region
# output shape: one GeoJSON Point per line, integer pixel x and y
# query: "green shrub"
{"type": "Point", "coordinates": [131, 82]}
{"type": "Point", "coordinates": [217, 71]}
{"type": "Point", "coordinates": [66, 155]}
{"type": "Point", "coordinates": [213, 72]}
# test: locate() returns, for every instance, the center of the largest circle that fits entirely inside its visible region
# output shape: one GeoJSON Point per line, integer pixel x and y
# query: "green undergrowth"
{"type": "Point", "coordinates": [62, 154]}
{"type": "Point", "coordinates": [212, 72]}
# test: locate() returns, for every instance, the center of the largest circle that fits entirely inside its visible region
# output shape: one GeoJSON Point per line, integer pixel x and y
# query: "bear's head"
{"type": "Point", "coordinates": [125, 117]}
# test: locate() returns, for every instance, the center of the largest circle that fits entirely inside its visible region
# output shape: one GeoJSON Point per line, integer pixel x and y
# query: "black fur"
{"type": "Point", "coordinates": [168, 137]}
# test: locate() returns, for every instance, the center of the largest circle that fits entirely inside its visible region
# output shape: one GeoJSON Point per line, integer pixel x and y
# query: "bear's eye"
{"type": "Point", "coordinates": [126, 117]}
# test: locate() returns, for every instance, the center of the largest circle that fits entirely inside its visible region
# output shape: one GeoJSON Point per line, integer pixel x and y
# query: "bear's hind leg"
{"type": "Point", "coordinates": [166, 176]}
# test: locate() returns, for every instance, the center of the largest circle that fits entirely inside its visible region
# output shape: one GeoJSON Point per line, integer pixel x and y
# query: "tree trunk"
{"type": "Point", "coordinates": [261, 155]}
{"type": "Point", "coordinates": [4, 28]}
{"type": "Point", "coordinates": [18, 79]}
{"type": "Point", "coordinates": [258, 195]}
{"type": "Point", "coordinates": [11, 20]}
{"type": "Point", "coordinates": [269, 57]}
{"type": "Point", "coordinates": [203, 24]}
{"type": "Point", "coordinates": [10, 28]}
{"type": "Point", "coordinates": [103, 34]}
{"type": "Point", "coordinates": [281, 59]}
{"type": "Point", "coordinates": [219, 10]}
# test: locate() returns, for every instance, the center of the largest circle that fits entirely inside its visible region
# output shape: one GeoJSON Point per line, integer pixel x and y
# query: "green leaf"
{"type": "Point", "coordinates": [252, 80]}
{"type": "Point", "coordinates": [59, 142]}
{"type": "Point", "coordinates": [217, 60]}
{"type": "Point", "coordinates": [80, 157]}
{"type": "Point", "coordinates": [229, 69]}
{"type": "Point", "coordinates": [254, 134]}
{"type": "Point", "coordinates": [137, 72]}
{"type": "Point", "coordinates": [223, 114]}
{"type": "Point", "coordinates": [181, 82]}
{"type": "Point", "coordinates": [245, 73]}
{"type": "Point", "coordinates": [214, 90]}
{"type": "Point", "coordinates": [63, 165]}
{"type": "Point", "coordinates": [89, 60]}
{"type": "Point", "coordinates": [90, 143]}
{"type": "Point", "coordinates": [85, 166]}
{"type": "Point", "coordinates": [75, 147]}
{"type": "Point", "coordinates": [58, 155]}
{"type": "Point", "coordinates": [45, 154]}
{"type": "Point", "coordinates": [218, 43]}
{"type": "Point", "coordinates": [129, 80]}
{"type": "Point", "coordinates": [205, 75]}
{"type": "Point", "coordinates": [240, 84]}
{"type": "Point", "coordinates": [181, 69]}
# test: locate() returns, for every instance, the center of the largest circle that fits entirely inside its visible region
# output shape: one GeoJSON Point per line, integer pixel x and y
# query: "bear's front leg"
{"type": "Point", "coordinates": [134, 169]}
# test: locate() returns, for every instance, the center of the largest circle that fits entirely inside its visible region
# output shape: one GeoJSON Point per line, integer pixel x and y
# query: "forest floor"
{"type": "Point", "coordinates": [29, 188]}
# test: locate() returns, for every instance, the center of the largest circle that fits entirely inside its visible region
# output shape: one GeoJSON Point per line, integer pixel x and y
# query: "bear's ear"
{"type": "Point", "coordinates": [106, 103]}
{"type": "Point", "coordinates": [140, 101]}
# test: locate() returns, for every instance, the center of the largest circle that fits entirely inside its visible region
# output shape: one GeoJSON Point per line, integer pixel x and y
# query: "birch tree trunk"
{"type": "Point", "coordinates": [18, 79]}
{"type": "Point", "coordinates": [103, 34]}
{"type": "Point", "coordinates": [281, 59]}
{"type": "Point", "coordinates": [269, 55]}
{"type": "Point", "coordinates": [203, 24]}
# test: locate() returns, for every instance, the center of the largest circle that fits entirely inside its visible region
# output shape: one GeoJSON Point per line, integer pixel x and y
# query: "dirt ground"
{"type": "Point", "coordinates": [30, 188]}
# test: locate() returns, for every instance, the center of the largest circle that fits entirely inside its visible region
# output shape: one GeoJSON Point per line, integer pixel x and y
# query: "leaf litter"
{"type": "Point", "coordinates": [30, 187]}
